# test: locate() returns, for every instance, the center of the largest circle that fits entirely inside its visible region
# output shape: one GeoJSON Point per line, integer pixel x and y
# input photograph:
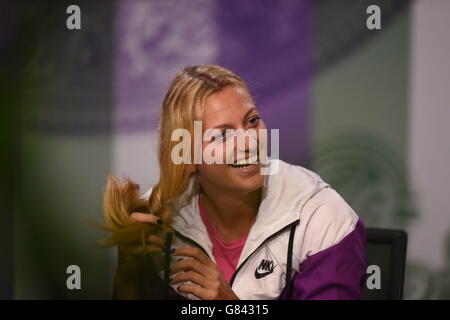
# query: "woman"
{"type": "Point", "coordinates": [225, 231]}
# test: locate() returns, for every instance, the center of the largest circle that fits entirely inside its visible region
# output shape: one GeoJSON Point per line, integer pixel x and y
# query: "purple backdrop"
{"type": "Point", "coordinates": [267, 42]}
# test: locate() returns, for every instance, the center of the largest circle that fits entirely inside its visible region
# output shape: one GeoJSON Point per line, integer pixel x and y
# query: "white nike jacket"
{"type": "Point", "coordinates": [306, 242]}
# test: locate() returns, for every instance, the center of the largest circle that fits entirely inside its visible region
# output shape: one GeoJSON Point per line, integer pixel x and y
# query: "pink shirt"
{"type": "Point", "coordinates": [226, 253]}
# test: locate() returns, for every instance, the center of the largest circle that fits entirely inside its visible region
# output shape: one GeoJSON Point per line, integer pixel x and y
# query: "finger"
{"type": "Point", "coordinates": [146, 218]}
{"type": "Point", "coordinates": [165, 215]}
{"type": "Point", "coordinates": [146, 249]}
{"type": "Point", "coordinates": [189, 264]}
{"type": "Point", "coordinates": [156, 240]}
{"type": "Point", "coordinates": [191, 276]}
{"type": "Point", "coordinates": [197, 291]}
{"type": "Point", "coordinates": [193, 252]}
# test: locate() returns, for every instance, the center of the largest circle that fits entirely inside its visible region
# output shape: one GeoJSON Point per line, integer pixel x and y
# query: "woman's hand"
{"type": "Point", "coordinates": [156, 243]}
{"type": "Point", "coordinates": [208, 281]}
{"type": "Point", "coordinates": [127, 274]}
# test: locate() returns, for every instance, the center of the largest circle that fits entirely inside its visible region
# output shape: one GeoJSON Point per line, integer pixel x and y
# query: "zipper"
{"type": "Point", "coordinates": [262, 243]}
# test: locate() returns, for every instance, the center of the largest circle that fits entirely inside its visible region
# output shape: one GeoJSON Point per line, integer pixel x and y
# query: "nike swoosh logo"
{"type": "Point", "coordinates": [262, 275]}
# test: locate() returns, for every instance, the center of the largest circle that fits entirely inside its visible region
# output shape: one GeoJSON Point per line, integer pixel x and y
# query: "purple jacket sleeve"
{"type": "Point", "coordinates": [335, 273]}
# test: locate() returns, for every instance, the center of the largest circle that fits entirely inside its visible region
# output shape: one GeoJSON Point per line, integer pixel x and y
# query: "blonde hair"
{"type": "Point", "coordinates": [182, 105]}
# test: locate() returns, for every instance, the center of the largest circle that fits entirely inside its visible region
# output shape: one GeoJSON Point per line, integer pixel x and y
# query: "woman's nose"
{"type": "Point", "coordinates": [246, 141]}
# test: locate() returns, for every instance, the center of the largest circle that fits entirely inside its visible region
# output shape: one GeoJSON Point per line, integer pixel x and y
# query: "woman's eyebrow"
{"type": "Point", "coordinates": [226, 125]}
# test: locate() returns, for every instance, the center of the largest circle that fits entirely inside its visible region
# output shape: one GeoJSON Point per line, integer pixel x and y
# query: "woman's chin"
{"type": "Point", "coordinates": [247, 179]}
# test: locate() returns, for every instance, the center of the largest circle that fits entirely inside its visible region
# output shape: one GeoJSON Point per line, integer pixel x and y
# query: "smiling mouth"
{"type": "Point", "coordinates": [241, 165]}
{"type": "Point", "coordinates": [245, 163]}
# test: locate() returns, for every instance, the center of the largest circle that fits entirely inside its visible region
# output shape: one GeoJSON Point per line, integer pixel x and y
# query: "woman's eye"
{"type": "Point", "coordinates": [220, 136]}
{"type": "Point", "coordinates": [254, 120]}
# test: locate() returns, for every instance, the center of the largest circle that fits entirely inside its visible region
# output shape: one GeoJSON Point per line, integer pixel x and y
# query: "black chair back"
{"type": "Point", "coordinates": [387, 250]}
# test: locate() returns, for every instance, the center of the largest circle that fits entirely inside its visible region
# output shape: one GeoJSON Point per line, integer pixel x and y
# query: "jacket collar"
{"type": "Point", "coordinates": [284, 194]}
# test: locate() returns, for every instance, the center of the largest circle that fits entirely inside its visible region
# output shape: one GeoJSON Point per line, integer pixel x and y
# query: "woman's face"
{"type": "Point", "coordinates": [231, 108]}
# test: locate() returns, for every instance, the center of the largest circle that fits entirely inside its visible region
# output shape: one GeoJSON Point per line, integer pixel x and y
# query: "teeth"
{"type": "Point", "coordinates": [245, 162]}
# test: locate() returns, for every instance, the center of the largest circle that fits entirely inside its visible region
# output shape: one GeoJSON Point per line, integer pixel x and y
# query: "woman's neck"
{"type": "Point", "coordinates": [232, 214]}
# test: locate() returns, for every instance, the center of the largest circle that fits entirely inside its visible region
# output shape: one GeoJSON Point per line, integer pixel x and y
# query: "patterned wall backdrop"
{"type": "Point", "coordinates": [349, 102]}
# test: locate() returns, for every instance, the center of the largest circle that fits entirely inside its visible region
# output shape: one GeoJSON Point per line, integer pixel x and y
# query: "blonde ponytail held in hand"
{"type": "Point", "coordinates": [182, 105]}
